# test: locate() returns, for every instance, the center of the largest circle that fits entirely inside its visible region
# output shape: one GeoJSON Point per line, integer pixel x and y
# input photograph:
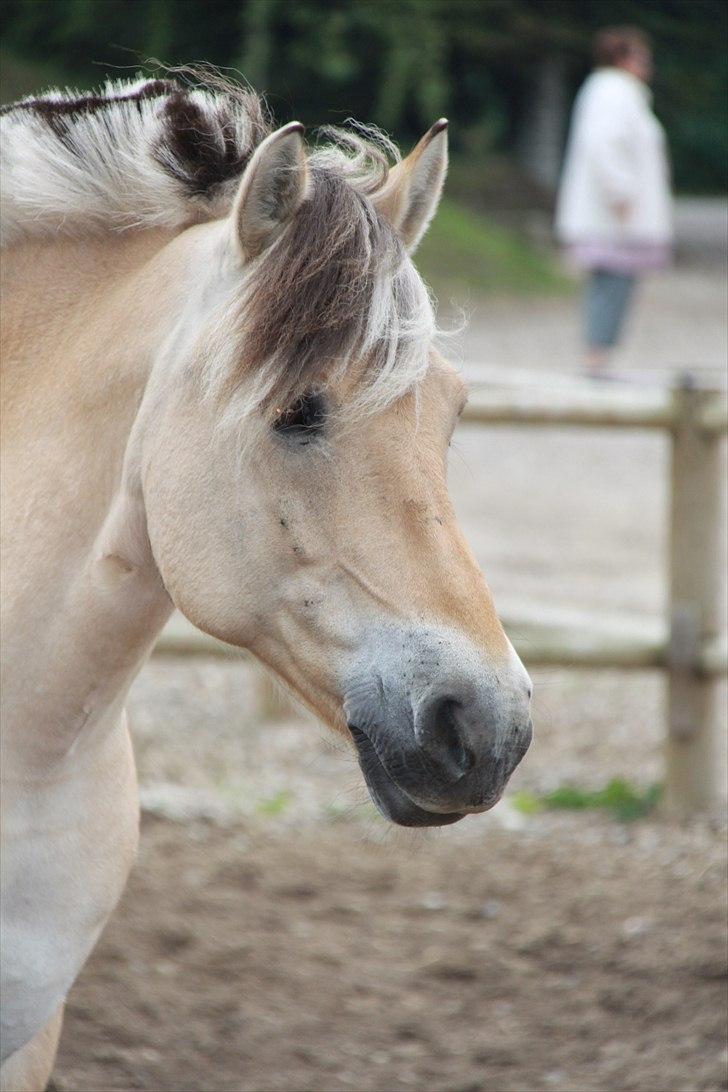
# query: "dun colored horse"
{"type": "Point", "coordinates": [220, 394]}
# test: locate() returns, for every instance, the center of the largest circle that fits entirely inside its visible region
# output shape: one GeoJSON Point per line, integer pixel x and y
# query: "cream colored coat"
{"type": "Point", "coordinates": [128, 487]}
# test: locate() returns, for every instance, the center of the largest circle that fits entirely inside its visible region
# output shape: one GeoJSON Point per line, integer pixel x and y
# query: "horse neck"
{"type": "Point", "coordinates": [83, 323]}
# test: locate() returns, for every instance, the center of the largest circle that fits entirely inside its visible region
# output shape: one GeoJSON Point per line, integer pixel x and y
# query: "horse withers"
{"type": "Point", "coordinates": [220, 394]}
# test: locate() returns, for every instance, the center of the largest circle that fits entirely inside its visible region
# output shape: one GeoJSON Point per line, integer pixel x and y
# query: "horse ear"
{"type": "Point", "coordinates": [411, 194]}
{"type": "Point", "coordinates": [271, 190]}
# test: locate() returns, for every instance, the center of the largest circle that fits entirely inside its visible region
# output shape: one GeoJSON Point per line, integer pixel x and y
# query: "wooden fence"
{"type": "Point", "coordinates": [687, 644]}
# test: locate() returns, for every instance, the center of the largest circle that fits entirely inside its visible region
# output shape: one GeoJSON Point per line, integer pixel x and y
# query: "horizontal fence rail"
{"type": "Point", "coordinates": [611, 407]}
{"type": "Point", "coordinates": [562, 406]}
{"type": "Point", "coordinates": [687, 645]}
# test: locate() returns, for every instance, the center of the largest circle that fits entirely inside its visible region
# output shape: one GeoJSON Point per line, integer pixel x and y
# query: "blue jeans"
{"type": "Point", "coordinates": [606, 298]}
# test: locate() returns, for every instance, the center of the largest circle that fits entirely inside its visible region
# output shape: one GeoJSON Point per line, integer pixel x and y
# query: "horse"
{"type": "Point", "coordinates": [221, 394]}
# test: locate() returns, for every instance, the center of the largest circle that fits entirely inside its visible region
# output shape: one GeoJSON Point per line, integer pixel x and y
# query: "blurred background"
{"type": "Point", "coordinates": [504, 71]}
{"type": "Point", "coordinates": [276, 935]}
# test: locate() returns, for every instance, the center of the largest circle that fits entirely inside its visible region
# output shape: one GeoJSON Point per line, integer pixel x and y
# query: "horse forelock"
{"type": "Point", "coordinates": [336, 297]}
{"type": "Point", "coordinates": [338, 290]}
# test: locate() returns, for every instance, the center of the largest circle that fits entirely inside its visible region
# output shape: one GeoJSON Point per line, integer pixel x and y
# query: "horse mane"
{"type": "Point", "coordinates": [144, 153]}
{"type": "Point", "coordinates": [336, 288]}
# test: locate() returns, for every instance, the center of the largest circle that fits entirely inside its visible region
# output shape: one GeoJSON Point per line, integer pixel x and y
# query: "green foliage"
{"type": "Point", "coordinates": [398, 63]}
{"type": "Point", "coordinates": [464, 250]}
{"type": "Point", "coordinates": [274, 805]}
{"type": "Point", "coordinates": [525, 802]}
{"type": "Point", "coordinates": [618, 797]}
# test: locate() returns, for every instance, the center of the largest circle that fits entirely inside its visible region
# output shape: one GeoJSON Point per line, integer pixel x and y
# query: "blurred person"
{"type": "Point", "coordinates": [614, 206]}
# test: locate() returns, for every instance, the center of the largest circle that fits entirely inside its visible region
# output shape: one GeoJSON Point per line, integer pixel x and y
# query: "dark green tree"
{"type": "Point", "coordinates": [398, 63]}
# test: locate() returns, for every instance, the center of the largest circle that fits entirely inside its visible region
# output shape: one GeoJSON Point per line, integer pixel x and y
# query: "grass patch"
{"type": "Point", "coordinates": [275, 805]}
{"type": "Point", "coordinates": [464, 251]}
{"type": "Point", "coordinates": [622, 800]}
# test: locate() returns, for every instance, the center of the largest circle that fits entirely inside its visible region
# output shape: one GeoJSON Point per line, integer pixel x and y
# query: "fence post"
{"type": "Point", "coordinates": [692, 767]}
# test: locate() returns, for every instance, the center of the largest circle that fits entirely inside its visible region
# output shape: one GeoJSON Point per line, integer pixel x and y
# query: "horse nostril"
{"type": "Point", "coordinates": [465, 758]}
{"type": "Point", "coordinates": [445, 739]}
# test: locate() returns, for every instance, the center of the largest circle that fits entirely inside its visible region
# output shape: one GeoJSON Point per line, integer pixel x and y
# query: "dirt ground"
{"type": "Point", "coordinates": [276, 936]}
{"type": "Point", "coordinates": [582, 957]}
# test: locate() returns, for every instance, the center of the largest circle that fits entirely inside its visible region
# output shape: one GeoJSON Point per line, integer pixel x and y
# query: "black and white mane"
{"type": "Point", "coordinates": [150, 153]}
{"type": "Point", "coordinates": [155, 153]}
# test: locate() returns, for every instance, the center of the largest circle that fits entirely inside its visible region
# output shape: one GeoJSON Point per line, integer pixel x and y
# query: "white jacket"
{"type": "Point", "coordinates": [616, 153]}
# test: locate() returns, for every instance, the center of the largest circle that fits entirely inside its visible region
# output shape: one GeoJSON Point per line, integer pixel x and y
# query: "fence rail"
{"type": "Point", "coordinates": [617, 406]}
{"type": "Point", "coordinates": [687, 645]}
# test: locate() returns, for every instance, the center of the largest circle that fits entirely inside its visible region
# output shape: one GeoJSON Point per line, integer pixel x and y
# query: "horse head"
{"type": "Point", "coordinates": [289, 469]}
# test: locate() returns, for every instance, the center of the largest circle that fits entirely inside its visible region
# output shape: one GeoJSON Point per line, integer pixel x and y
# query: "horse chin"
{"type": "Point", "coordinates": [391, 800]}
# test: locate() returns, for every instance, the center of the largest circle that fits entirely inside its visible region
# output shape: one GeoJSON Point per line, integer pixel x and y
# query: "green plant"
{"type": "Point", "coordinates": [465, 251]}
{"type": "Point", "coordinates": [622, 800]}
{"type": "Point", "coordinates": [274, 805]}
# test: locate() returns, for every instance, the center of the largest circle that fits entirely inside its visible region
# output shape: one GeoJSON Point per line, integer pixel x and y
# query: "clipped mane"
{"type": "Point", "coordinates": [337, 290]}
{"type": "Point", "coordinates": [145, 153]}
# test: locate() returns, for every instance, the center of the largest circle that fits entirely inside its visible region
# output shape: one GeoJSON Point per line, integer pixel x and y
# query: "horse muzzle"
{"type": "Point", "coordinates": [438, 731]}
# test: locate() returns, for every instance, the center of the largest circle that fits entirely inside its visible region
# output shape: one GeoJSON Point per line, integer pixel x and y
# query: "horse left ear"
{"type": "Point", "coordinates": [410, 196]}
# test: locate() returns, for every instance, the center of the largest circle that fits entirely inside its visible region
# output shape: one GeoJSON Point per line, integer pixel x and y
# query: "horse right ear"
{"type": "Point", "coordinates": [272, 188]}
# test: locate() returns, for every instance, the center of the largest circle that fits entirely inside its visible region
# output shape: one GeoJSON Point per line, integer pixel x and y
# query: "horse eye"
{"type": "Point", "coordinates": [303, 420]}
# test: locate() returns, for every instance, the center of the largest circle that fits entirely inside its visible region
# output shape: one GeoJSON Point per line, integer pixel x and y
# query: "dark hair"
{"type": "Point", "coordinates": [612, 45]}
